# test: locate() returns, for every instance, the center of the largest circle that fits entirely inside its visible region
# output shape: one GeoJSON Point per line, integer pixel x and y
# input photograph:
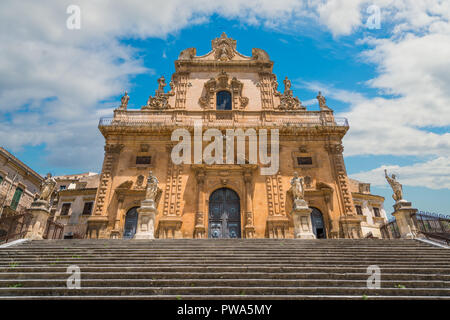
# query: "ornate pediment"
{"type": "Point", "coordinates": [222, 82]}
{"type": "Point", "coordinates": [224, 48]}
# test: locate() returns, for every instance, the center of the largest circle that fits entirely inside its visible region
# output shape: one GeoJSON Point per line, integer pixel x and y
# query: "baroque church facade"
{"type": "Point", "coordinates": [225, 90]}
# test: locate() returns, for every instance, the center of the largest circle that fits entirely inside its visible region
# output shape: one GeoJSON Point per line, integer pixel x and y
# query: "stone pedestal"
{"type": "Point", "coordinates": [405, 223]}
{"type": "Point", "coordinates": [199, 229]}
{"type": "Point", "coordinates": [40, 211]}
{"type": "Point", "coordinates": [351, 227]}
{"type": "Point", "coordinates": [302, 220]}
{"type": "Point", "coordinates": [146, 220]}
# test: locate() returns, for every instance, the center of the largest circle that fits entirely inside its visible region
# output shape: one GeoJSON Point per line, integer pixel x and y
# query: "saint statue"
{"type": "Point", "coordinates": [124, 101]}
{"type": "Point", "coordinates": [322, 102]}
{"type": "Point", "coordinates": [298, 191]}
{"type": "Point", "coordinates": [287, 84]}
{"type": "Point", "coordinates": [161, 84]}
{"type": "Point", "coordinates": [152, 187]}
{"type": "Point", "coordinates": [395, 185]}
{"type": "Point", "coordinates": [47, 187]}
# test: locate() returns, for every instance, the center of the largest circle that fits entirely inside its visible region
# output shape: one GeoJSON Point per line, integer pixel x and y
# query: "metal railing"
{"type": "Point", "coordinates": [53, 230]}
{"type": "Point", "coordinates": [432, 226]}
{"type": "Point", "coordinates": [390, 230]}
{"type": "Point", "coordinates": [162, 122]}
{"type": "Point", "coordinates": [14, 227]}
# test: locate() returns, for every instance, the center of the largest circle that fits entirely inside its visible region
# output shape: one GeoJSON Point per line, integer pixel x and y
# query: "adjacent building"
{"type": "Point", "coordinates": [219, 195]}
{"type": "Point", "coordinates": [370, 207]}
{"type": "Point", "coordinates": [74, 202]}
{"type": "Point", "coordinates": [19, 184]}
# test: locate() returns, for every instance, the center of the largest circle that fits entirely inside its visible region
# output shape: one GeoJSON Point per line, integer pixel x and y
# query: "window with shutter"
{"type": "Point", "coordinates": [16, 198]}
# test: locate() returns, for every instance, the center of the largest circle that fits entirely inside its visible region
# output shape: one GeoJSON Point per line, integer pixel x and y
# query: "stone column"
{"type": "Point", "coordinates": [249, 228]}
{"type": "Point", "coordinates": [405, 223]}
{"type": "Point", "coordinates": [146, 220]}
{"type": "Point", "coordinates": [40, 211]}
{"type": "Point", "coordinates": [199, 229]}
{"type": "Point", "coordinates": [302, 220]}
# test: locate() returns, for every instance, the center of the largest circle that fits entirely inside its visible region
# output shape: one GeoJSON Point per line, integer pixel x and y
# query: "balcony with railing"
{"type": "Point", "coordinates": [219, 119]}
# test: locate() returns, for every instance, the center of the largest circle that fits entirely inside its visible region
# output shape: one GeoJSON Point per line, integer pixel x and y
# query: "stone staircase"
{"type": "Point", "coordinates": [225, 269]}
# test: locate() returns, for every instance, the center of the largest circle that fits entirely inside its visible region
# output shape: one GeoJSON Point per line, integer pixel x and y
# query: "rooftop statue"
{"type": "Point", "coordinates": [161, 84]}
{"type": "Point", "coordinates": [287, 84]}
{"type": "Point", "coordinates": [124, 101]}
{"type": "Point", "coordinates": [395, 185]}
{"type": "Point", "coordinates": [322, 102]}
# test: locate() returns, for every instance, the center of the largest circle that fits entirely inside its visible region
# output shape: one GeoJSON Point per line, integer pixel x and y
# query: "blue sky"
{"type": "Point", "coordinates": [388, 82]}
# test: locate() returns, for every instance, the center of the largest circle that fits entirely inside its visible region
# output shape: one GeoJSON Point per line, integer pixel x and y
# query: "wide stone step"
{"type": "Point", "coordinates": [232, 268]}
{"type": "Point", "coordinates": [250, 254]}
{"type": "Point", "coordinates": [231, 259]}
{"type": "Point", "coordinates": [227, 268]}
{"type": "Point", "coordinates": [259, 290]}
{"type": "Point", "coordinates": [228, 297]}
{"type": "Point", "coordinates": [151, 283]}
{"type": "Point", "coordinates": [222, 275]}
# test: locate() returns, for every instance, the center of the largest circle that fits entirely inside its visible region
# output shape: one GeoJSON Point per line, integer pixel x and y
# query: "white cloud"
{"type": "Point", "coordinates": [60, 77]}
{"type": "Point", "coordinates": [433, 174]}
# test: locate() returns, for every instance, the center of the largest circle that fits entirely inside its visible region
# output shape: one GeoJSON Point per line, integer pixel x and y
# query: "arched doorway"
{"type": "Point", "coordinates": [224, 214]}
{"type": "Point", "coordinates": [317, 224]}
{"type": "Point", "coordinates": [131, 219]}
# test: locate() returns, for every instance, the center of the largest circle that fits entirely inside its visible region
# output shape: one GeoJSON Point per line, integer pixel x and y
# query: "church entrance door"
{"type": "Point", "coordinates": [224, 214]}
{"type": "Point", "coordinates": [317, 224]}
{"type": "Point", "coordinates": [130, 223]}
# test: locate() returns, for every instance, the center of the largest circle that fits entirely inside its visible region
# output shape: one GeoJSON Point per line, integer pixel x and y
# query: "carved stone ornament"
{"type": "Point", "coordinates": [161, 99]}
{"type": "Point", "coordinates": [222, 82]}
{"type": "Point", "coordinates": [260, 54]}
{"type": "Point", "coordinates": [224, 48]}
{"type": "Point", "coordinates": [334, 148]}
{"type": "Point", "coordinates": [126, 185]}
{"type": "Point", "coordinates": [287, 100]}
{"type": "Point", "coordinates": [187, 54]}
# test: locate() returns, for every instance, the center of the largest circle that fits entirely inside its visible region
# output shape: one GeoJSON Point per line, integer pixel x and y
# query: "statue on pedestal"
{"type": "Point", "coordinates": [395, 185]}
{"type": "Point", "coordinates": [152, 187]}
{"type": "Point", "coordinates": [297, 187]}
{"type": "Point", "coordinates": [47, 188]}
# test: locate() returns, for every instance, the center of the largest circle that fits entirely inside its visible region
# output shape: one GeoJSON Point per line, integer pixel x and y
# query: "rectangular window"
{"type": "Point", "coordinates": [359, 210]}
{"type": "Point", "coordinates": [304, 160]}
{"type": "Point", "coordinates": [376, 212]}
{"type": "Point", "coordinates": [87, 210]}
{"type": "Point", "coordinates": [65, 209]}
{"type": "Point", "coordinates": [143, 160]}
{"type": "Point", "coordinates": [16, 198]}
{"type": "Point", "coordinates": [62, 187]}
